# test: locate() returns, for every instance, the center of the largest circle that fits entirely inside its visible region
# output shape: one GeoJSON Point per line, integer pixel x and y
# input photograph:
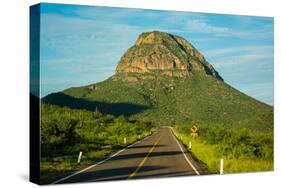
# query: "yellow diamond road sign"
{"type": "Point", "coordinates": [194, 133]}
{"type": "Point", "coordinates": [194, 129]}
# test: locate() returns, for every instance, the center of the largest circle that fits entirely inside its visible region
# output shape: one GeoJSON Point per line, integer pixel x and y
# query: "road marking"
{"type": "Point", "coordinates": [100, 162]}
{"type": "Point", "coordinates": [188, 161]}
{"type": "Point", "coordinates": [144, 159]}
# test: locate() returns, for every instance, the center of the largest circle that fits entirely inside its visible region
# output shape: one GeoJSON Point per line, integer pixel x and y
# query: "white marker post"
{"type": "Point", "coordinates": [189, 145]}
{"type": "Point", "coordinates": [125, 140]}
{"type": "Point", "coordinates": [181, 137]}
{"type": "Point", "coordinates": [221, 167]}
{"type": "Point", "coordinates": [139, 136]}
{"type": "Point", "coordinates": [79, 157]}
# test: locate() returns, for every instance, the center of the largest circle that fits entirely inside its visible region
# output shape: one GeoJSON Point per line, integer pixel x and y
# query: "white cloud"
{"type": "Point", "coordinates": [234, 56]}
{"type": "Point", "coordinates": [203, 26]}
{"type": "Point", "coordinates": [239, 49]}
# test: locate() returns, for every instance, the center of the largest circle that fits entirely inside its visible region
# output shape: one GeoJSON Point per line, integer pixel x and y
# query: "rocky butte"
{"type": "Point", "coordinates": [165, 54]}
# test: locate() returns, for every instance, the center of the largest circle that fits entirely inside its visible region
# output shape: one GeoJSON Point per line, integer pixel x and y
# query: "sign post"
{"type": "Point", "coordinates": [79, 157]}
{"type": "Point", "coordinates": [221, 166]}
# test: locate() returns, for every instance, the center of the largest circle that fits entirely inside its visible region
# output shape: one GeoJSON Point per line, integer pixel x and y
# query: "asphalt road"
{"type": "Point", "coordinates": [158, 155]}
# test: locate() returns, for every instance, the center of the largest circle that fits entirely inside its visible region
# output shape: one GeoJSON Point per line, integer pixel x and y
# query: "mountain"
{"type": "Point", "coordinates": [163, 79]}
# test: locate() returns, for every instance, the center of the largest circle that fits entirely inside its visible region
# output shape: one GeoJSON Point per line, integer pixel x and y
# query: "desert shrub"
{"type": "Point", "coordinates": [235, 142]}
{"type": "Point", "coordinates": [65, 132]}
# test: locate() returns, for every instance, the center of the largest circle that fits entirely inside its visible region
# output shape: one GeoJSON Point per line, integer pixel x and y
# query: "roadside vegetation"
{"type": "Point", "coordinates": [243, 150]}
{"type": "Point", "coordinates": [65, 132]}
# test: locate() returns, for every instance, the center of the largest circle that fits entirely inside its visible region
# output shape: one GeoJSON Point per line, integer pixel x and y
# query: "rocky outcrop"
{"type": "Point", "coordinates": [164, 54]}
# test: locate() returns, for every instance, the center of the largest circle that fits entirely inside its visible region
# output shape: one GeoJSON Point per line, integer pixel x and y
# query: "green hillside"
{"type": "Point", "coordinates": [167, 101]}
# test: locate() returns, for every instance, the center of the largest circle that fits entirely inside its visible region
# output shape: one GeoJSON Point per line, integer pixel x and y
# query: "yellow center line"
{"type": "Point", "coordinates": [144, 159]}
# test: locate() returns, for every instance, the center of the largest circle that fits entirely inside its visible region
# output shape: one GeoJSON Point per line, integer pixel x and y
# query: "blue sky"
{"type": "Point", "coordinates": [83, 44]}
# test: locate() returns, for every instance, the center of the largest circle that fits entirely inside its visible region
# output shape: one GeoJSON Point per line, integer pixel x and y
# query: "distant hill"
{"type": "Point", "coordinates": [162, 78]}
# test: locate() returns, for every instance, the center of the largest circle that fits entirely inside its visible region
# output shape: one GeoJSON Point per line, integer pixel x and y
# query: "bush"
{"type": "Point", "coordinates": [65, 132]}
{"type": "Point", "coordinates": [234, 142]}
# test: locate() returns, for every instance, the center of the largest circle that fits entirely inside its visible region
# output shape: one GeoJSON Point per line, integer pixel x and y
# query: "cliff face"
{"type": "Point", "coordinates": [164, 54]}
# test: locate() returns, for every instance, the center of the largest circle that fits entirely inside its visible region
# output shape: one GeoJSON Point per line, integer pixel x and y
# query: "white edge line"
{"type": "Point", "coordinates": [100, 162]}
{"type": "Point", "coordinates": [184, 153]}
